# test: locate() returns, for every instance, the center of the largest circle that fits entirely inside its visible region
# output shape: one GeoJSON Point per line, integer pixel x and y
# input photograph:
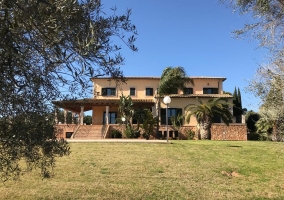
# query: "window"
{"type": "Point", "coordinates": [188, 91]}
{"type": "Point", "coordinates": [149, 91]}
{"type": "Point", "coordinates": [132, 92]}
{"type": "Point", "coordinates": [210, 90]}
{"type": "Point", "coordinates": [171, 112]}
{"type": "Point", "coordinates": [216, 119]}
{"type": "Point", "coordinates": [111, 118]}
{"type": "Point", "coordinates": [175, 91]}
{"type": "Point", "coordinates": [108, 91]}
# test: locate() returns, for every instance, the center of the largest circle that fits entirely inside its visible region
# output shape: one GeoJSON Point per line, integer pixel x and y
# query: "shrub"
{"type": "Point", "coordinates": [190, 134]}
{"type": "Point", "coordinates": [259, 136]}
{"type": "Point", "coordinates": [131, 133]}
{"type": "Point", "coordinates": [253, 136]}
{"type": "Point", "coordinates": [116, 134]}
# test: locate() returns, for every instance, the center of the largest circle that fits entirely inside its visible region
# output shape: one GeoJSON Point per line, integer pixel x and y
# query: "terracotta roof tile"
{"type": "Point", "coordinates": [115, 101]}
{"type": "Point", "coordinates": [200, 95]}
{"type": "Point", "coordinates": [99, 101]}
{"type": "Point", "coordinates": [157, 77]}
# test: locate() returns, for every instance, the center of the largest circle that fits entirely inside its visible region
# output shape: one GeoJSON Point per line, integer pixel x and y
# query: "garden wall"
{"type": "Point", "coordinates": [232, 132]}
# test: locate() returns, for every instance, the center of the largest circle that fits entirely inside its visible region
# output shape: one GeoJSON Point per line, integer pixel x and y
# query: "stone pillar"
{"type": "Point", "coordinates": [243, 119]}
{"type": "Point", "coordinates": [107, 111]}
{"type": "Point", "coordinates": [73, 115]}
{"type": "Point", "coordinates": [65, 117]}
{"type": "Point", "coordinates": [154, 112]}
{"type": "Point", "coordinates": [55, 116]}
{"type": "Point", "coordinates": [232, 112]}
{"type": "Point", "coordinates": [157, 110]}
{"type": "Point", "coordinates": [82, 115]}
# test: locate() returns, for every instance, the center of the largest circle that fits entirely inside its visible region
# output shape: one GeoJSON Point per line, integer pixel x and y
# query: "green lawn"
{"type": "Point", "coordinates": [182, 170]}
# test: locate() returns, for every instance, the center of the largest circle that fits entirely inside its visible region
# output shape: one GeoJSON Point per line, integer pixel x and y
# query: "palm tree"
{"type": "Point", "coordinates": [172, 79]}
{"type": "Point", "coordinates": [205, 112]}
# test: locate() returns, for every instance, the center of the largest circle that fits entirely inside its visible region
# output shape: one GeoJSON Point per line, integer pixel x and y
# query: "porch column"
{"type": "Point", "coordinates": [65, 117]}
{"type": "Point", "coordinates": [243, 119]}
{"type": "Point", "coordinates": [82, 115]}
{"type": "Point", "coordinates": [73, 115]}
{"type": "Point", "coordinates": [154, 112]}
{"type": "Point", "coordinates": [55, 116]}
{"type": "Point", "coordinates": [232, 112]}
{"type": "Point", "coordinates": [156, 109]}
{"type": "Point", "coordinates": [107, 110]}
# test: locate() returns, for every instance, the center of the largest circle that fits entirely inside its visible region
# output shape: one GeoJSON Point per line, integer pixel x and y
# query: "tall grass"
{"type": "Point", "coordinates": [182, 170]}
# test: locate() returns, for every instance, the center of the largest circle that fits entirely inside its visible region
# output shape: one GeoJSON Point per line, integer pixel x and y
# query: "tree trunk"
{"type": "Point", "coordinates": [158, 107]}
{"type": "Point", "coordinates": [276, 133]}
{"type": "Point", "coordinates": [204, 130]}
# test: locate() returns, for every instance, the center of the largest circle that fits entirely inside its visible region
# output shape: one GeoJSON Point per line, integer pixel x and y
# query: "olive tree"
{"type": "Point", "coordinates": [268, 24]}
{"type": "Point", "coordinates": [268, 85]}
{"type": "Point", "coordinates": [267, 28]}
{"type": "Point", "coordinates": [49, 50]}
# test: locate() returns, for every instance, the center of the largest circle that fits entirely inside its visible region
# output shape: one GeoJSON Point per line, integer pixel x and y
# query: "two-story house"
{"type": "Point", "coordinates": [143, 90]}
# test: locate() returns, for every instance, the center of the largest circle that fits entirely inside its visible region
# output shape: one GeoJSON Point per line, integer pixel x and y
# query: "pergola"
{"type": "Point", "coordinates": [80, 105]}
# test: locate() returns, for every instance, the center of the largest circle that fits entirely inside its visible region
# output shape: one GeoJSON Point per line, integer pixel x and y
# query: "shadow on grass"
{"type": "Point", "coordinates": [234, 146]}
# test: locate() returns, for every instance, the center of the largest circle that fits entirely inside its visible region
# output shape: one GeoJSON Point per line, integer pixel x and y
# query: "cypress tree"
{"type": "Point", "coordinates": [240, 107]}
{"type": "Point", "coordinates": [235, 103]}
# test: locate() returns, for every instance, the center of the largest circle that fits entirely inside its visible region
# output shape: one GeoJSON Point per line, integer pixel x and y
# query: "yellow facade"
{"type": "Point", "coordinates": [104, 102]}
{"type": "Point", "coordinates": [179, 100]}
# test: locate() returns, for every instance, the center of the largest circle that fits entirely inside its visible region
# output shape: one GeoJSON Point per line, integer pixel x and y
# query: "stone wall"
{"type": "Point", "coordinates": [231, 132]}
{"type": "Point", "coordinates": [218, 131]}
{"type": "Point", "coordinates": [235, 131]}
{"type": "Point", "coordinates": [63, 129]}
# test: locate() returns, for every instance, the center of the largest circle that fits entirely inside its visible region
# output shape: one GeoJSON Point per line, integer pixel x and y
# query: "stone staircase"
{"type": "Point", "coordinates": [89, 132]}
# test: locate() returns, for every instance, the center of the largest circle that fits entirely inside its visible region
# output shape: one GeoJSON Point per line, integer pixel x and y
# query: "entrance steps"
{"type": "Point", "coordinates": [89, 132]}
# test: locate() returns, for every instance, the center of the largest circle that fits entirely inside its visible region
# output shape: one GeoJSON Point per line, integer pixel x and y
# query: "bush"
{"type": "Point", "coordinates": [264, 137]}
{"type": "Point", "coordinates": [116, 134]}
{"type": "Point", "coordinates": [253, 136]}
{"type": "Point", "coordinates": [131, 133]}
{"type": "Point", "coordinates": [190, 134]}
{"type": "Point", "coordinates": [258, 136]}
{"type": "Point", "coordinates": [145, 135]}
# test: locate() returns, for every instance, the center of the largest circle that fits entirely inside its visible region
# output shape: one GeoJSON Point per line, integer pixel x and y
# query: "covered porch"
{"type": "Point", "coordinates": [104, 112]}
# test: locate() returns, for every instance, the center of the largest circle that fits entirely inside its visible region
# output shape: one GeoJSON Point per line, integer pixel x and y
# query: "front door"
{"type": "Point", "coordinates": [111, 118]}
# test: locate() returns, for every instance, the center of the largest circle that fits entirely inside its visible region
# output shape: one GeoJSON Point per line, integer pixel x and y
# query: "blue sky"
{"type": "Point", "coordinates": [194, 34]}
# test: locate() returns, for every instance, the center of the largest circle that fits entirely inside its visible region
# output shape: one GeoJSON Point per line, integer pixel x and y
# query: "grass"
{"type": "Point", "coordinates": [182, 170]}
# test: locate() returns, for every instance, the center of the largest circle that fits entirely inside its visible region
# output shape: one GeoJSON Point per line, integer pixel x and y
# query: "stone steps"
{"type": "Point", "coordinates": [89, 132]}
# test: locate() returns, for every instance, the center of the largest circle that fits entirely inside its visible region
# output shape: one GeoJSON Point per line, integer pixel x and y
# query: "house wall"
{"type": "Point", "coordinates": [199, 84]}
{"type": "Point", "coordinates": [97, 113]}
{"type": "Point", "coordinates": [124, 88]}
{"type": "Point", "coordinates": [183, 102]}
{"type": "Point", "coordinates": [141, 84]}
